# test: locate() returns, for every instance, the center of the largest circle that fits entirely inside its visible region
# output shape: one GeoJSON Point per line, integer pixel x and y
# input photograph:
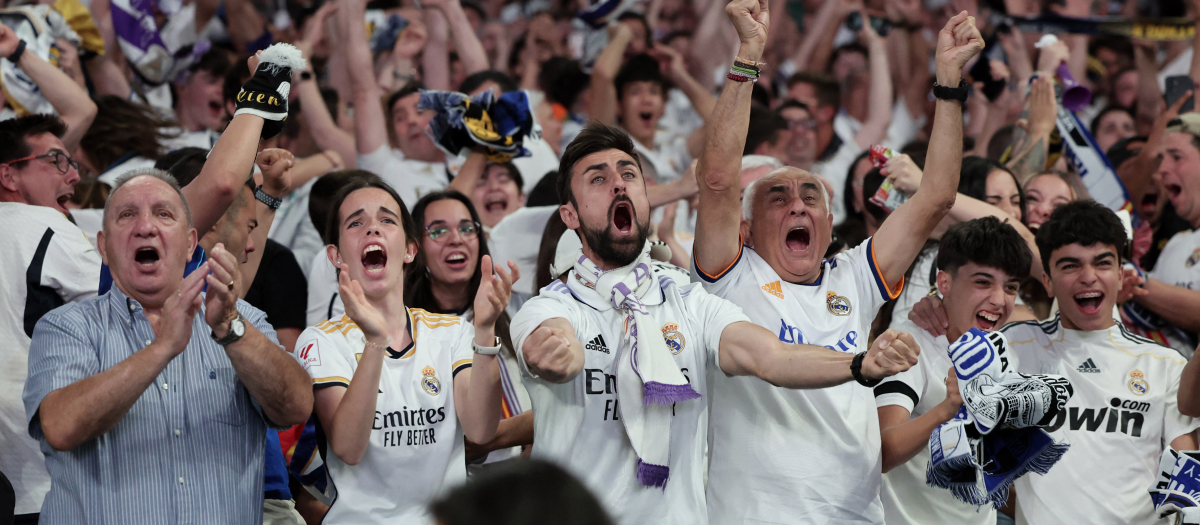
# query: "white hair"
{"type": "Point", "coordinates": [149, 172]}
{"type": "Point", "coordinates": [752, 188]}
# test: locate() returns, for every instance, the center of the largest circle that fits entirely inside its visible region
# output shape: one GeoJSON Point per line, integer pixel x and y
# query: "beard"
{"type": "Point", "coordinates": [616, 251]}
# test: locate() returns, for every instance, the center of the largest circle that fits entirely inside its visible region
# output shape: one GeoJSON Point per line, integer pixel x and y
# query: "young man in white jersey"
{"type": "Point", "coordinates": [812, 455]}
{"type": "Point", "coordinates": [618, 355]}
{"type": "Point", "coordinates": [1124, 410]}
{"type": "Point", "coordinates": [981, 264]}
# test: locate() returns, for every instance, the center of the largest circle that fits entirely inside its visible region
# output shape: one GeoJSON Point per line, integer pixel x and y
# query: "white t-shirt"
{"type": "Point", "coordinates": [293, 228]}
{"type": "Point", "coordinates": [907, 498]}
{"type": "Point", "coordinates": [411, 178]}
{"type": "Point", "coordinates": [835, 169]}
{"type": "Point", "coordinates": [1177, 266]}
{"type": "Point", "coordinates": [1123, 414]}
{"type": "Point", "coordinates": [669, 158]}
{"type": "Point", "coordinates": [45, 261]}
{"type": "Point", "coordinates": [808, 456]}
{"type": "Point", "coordinates": [576, 423]}
{"type": "Point", "coordinates": [324, 303]}
{"type": "Point", "coordinates": [917, 286]}
{"type": "Point", "coordinates": [902, 130]}
{"type": "Point", "coordinates": [517, 237]}
{"type": "Point", "coordinates": [416, 446]}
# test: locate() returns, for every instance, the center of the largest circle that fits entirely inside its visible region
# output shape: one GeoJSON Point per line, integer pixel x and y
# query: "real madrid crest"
{"type": "Point", "coordinates": [674, 339]}
{"type": "Point", "coordinates": [837, 305]}
{"type": "Point", "coordinates": [1192, 259]}
{"type": "Point", "coordinates": [429, 381]}
{"type": "Point", "coordinates": [1138, 384]}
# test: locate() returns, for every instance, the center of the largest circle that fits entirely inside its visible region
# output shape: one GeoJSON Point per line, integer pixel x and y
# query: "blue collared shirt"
{"type": "Point", "coordinates": [189, 450]}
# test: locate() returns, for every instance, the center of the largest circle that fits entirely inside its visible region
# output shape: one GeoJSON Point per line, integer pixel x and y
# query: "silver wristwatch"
{"type": "Point", "coordinates": [237, 328]}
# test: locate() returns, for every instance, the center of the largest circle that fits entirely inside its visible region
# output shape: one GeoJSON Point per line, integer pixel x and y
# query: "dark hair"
{"type": "Point", "coordinates": [848, 187]}
{"type": "Point", "coordinates": [215, 62]}
{"type": "Point", "coordinates": [917, 150]}
{"type": "Point", "coordinates": [639, 68]}
{"type": "Point", "coordinates": [547, 250]}
{"type": "Point", "coordinates": [828, 91]}
{"type": "Point", "coordinates": [1082, 222]}
{"type": "Point", "coordinates": [987, 242]}
{"type": "Point", "coordinates": [1121, 150]}
{"type": "Point", "coordinates": [545, 192]}
{"type": "Point", "coordinates": [764, 128]}
{"type": "Point", "coordinates": [852, 47]}
{"type": "Point", "coordinates": [13, 133]}
{"type": "Point", "coordinates": [1120, 45]}
{"type": "Point", "coordinates": [361, 180]}
{"type": "Point", "coordinates": [759, 93]}
{"type": "Point", "coordinates": [122, 127]}
{"type": "Point", "coordinates": [871, 182]}
{"type": "Point", "coordinates": [234, 78]}
{"type": "Point", "coordinates": [792, 103]}
{"type": "Point", "coordinates": [529, 492]}
{"type": "Point", "coordinates": [1000, 142]}
{"type": "Point", "coordinates": [320, 197]}
{"type": "Point", "coordinates": [475, 80]}
{"type": "Point", "coordinates": [594, 138]}
{"type": "Point", "coordinates": [678, 33]}
{"type": "Point", "coordinates": [640, 18]}
{"type": "Point", "coordinates": [972, 180]}
{"type": "Point", "coordinates": [184, 164]}
{"type": "Point", "coordinates": [413, 86]}
{"type": "Point", "coordinates": [514, 173]}
{"type": "Point", "coordinates": [1111, 108]}
{"type": "Point", "coordinates": [562, 80]}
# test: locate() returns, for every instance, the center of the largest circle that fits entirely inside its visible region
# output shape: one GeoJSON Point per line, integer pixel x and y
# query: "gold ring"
{"type": "Point", "coordinates": [231, 285]}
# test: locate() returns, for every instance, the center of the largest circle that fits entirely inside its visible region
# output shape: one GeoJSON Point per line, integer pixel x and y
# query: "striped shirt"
{"type": "Point", "coordinates": [189, 450]}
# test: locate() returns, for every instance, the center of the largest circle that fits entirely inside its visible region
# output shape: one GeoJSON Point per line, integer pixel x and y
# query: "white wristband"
{"type": "Point", "coordinates": [486, 350]}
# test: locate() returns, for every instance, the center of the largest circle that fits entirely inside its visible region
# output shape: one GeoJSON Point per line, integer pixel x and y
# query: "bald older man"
{"type": "Point", "coordinates": [151, 401]}
{"type": "Point", "coordinates": [813, 455]}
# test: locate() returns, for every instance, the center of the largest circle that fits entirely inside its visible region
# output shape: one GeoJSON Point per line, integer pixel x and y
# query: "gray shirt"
{"type": "Point", "coordinates": [190, 449]}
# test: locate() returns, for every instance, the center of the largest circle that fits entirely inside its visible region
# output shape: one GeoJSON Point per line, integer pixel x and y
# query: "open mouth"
{"type": "Point", "coordinates": [456, 261]}
{"type": "Point", "coordinates": [1173, 190]}
{"type": "Point", "coordinates": [1089, 302]}
{"type": "Point", "coordinates": [374, 259]}
{"type": "Point", "coordinates": [496, 205]}
{"type": "Point", "coordinates": [797, 239]}
{"type": "Point", "coordinates": [1149, 201]}
{"type": "Point", "coordinates": [147, 256]}
{"type": "Point", "coordinates": [64, 199]}
{"type": "Point", "coordinates": [622, 218]}
{"type": "Point", "coordinates": [985, 320]}
{"type": "Point", "coordinates": [647, 117]}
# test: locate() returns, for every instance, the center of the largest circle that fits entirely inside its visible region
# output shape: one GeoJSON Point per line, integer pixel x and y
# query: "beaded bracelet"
{"type": "Point", "coordinates": [742, 64]}
{"type": "Point", "coordinates": [376, 345]}
{"type": "Point", "coordinates": [740, 78]}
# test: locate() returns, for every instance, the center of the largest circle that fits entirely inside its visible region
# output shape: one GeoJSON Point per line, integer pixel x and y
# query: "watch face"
{"type": "Point", "coordinates": [237, 327]}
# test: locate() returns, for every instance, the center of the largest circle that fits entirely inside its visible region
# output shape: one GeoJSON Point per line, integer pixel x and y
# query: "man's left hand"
{"type": "Point", "coordinates": [276, 165]}
{"type": "Point", "coordinates": [224, 288]}
{"type": "Point", "coordinates": [957, 44]}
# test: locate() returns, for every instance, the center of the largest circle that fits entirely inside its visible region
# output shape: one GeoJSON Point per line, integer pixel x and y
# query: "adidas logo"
{"type": "Point", "coordinates": [774, 289]}
{"type": "Point", "coordinates": [597, 344]}
{"type": "Point", "coordinates": [1088, 367]}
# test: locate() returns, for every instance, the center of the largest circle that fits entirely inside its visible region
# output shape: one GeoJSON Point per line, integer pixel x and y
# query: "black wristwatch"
{"type": "Point", "coordinates": [237, 328]}
{"type": "Point", "coordinates": [270, 201]}
{"type": "Point", "coordinates": [856, 371]}
{"type": "Point", "coordinates": [947, 93]}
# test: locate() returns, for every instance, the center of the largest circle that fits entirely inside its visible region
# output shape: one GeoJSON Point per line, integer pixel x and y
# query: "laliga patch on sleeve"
{"type": "Point", "coordinates": [310, 354]}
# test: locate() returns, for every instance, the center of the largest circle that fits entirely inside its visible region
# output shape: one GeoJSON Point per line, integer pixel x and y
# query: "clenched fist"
{"type": "Point", "coordinates": [957, 43]}
{"type": "Point", "coordinates": [892, 353]}
{"type": "Point", "coordinates": [549, 353]}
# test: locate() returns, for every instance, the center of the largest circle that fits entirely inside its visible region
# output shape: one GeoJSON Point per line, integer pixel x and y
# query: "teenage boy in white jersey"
{"type": "Point", "coordinates": [812, 455]}
{"type": "Point", "coordinates": [618, 355]}
{"type": "Point", "coordinates": [1124, 410]}
{"type": "Point", "coordinates": [981, 264]}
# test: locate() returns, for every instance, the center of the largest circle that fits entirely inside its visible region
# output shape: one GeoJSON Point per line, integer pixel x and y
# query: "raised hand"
{"type": "Point", "coordinates": [224, 288]}
{"type": "Point", "coordinates": [366, 316]}
{"type": "Point", "coordinates": [751, 19]}
{"type": "Point", "coordinates": [953, 400]}
{"type": "Point", "coordinates": [670, 61]}
{"type": "Point", "coordinates": [411, 40]}
{"type": "Point", "coordinates": [903, 172]}
{"type": "Point", "coordinates": [314, 29]}
{"type": "Point", "coordinates": [174, 327]}
{"type": "Point", "coordinates": [957, 43]}
{"type": "Point", "coordinates": [276, 165]}
{"type": "Point", "coordinates": [548, 352]}
{"type": "Point", "coordinates": [1131, 285]}
{"type": "Point", "coordinates": [1043, 106]}
{"type": "Point", "coordinates": [1051, 56]}
{"type": "Point", "coordinates": [893, 352]}
{"type": "Point", "coordinates": [495, 289]}
{"type": "Point", "coordinates": [930, 315]}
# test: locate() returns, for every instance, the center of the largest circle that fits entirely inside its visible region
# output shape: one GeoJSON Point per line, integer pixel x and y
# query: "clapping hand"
{"type": "Point", "coordinates": [224, 288]}
{"type": "Point", "coordinates": [495, 289]}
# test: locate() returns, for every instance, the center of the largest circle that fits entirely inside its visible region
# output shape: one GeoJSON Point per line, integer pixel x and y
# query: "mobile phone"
{"type": "Point", "coordinates": [1178, 85]}
{"type": "Point", "coordinates": [882, 26]}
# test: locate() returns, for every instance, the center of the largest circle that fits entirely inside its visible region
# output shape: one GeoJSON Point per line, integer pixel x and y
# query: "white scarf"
{"type": "Point", "coordinates": [648, 380]}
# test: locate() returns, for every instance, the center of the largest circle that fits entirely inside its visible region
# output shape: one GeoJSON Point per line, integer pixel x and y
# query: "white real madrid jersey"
{"type": "Point", "coordinates": [577, 424]}
{"type": "Point", "coordinates": [907, 499]}
{"type": "Point", "coordinates": [416, 445]}
{"type": "Point", "coordinates": [798, 456]}
{"type": "Point", "coordinates": [1122, 415]}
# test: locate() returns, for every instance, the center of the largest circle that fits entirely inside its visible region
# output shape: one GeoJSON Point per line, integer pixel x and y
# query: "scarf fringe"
{"type": "Point", "coordinates": [651, 475]}
{"type": "Point", "coordinates": [666, 394]}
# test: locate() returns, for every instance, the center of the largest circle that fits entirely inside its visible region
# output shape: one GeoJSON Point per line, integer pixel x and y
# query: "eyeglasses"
{"type": "Point", "coordinates": [466, 230]}
{"type": "Point", "coordinates": [61, 160]}
{"type": "Point", "coordinates": [806, 124]}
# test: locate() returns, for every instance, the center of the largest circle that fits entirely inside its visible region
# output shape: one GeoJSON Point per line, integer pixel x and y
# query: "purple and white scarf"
{"type": "Point", "coordinates": [648, 379]}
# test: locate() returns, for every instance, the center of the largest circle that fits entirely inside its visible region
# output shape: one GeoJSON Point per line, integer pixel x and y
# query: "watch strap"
{"type": "Point", "coordinates": [232, 335]}
{"type": "Point", "coordinates": [856, 371]}
{"type": "Point", "coordinates": [951, 93]}
{"type": "Point", "coordinates": [486, 350]}
{"type": "Point", "coordinates": [16, 54]}
{"type": "Point", "coordinates": [270, 201]}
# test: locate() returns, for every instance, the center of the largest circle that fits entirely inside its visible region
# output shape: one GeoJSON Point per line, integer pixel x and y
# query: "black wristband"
{"type": "Point", "coordinates": [16, 54]}
{"type": "Point", "coordinates": [306, 75]}
{"type": "Point", "coordinates": [947, 93]}
{"type": "Point", "coordinates": [262, 196]}
{"type": "Point", "coordinates": [856, 371]}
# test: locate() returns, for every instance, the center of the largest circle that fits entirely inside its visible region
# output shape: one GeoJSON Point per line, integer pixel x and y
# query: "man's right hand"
{"type": "Point", "coordinates": [893, 352]}
{"type": "Point", "coordinates": [548, 353]}
{"type": "Point", "coordinates": [751, 19]}
{"type": "Point", "coordinates": [174, 327]}
{"type": "Point", "coordinates": [957, 43]}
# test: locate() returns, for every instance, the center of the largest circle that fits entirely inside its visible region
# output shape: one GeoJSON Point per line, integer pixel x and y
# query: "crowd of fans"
{"type": "Point", "coordinates": [247, 275]}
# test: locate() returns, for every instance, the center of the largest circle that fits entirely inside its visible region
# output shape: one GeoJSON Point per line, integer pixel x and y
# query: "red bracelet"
{"type": "Point", "coordinates": [739, 78]}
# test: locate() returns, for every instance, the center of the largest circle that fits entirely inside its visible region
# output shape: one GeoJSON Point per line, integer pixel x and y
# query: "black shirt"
{"type": "Point", "coordinates": [279, 288]}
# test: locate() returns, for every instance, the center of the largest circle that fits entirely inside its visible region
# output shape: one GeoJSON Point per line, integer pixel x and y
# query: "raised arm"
{"type": "Point", "coordinates": [1145, 54]}
{"type": "Point", "coordinates": [879, 95]}
{"type": "Point", "coordinates": [466, 43]}
{"type": "Point", "coordinates": [701, 98]}
{"type": "Point", "coordinates": [603, 105]}
{"type": "Point", "coordinates": [1175, 304]}
{"type": "Point", "coordinates": [718, 172]}
{"type": "Point", "coordinates": [1030, 152]}
{"type": "Point", "coordinates": [814, 50]}
{"type": "Point", "coordinates": [276, 167]}
{"type": "Point", "coordinates": [552, 352]}
{"type": "Point", "coordinates": [749, 349]}
{"type": "Point", "coordinates": [477, 395]}
{"type": "Point", "coordinates": [901, 236]}
{"type": "Point", "coordinates": [469, 174]}
{"type": "Point", "coordinates": [370, 127]}
{"type": "Point", "coordinates": [228, 165]}
{"type": "Point", "coordinates": [108, 78]}
{"type": "Point", "coordinates": [69, 99]}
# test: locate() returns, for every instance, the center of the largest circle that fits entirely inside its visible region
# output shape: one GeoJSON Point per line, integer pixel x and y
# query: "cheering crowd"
{"type": "Point", "coordinates": [612, 262]}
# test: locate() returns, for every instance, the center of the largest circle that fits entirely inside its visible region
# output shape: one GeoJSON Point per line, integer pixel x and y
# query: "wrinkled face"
{"type": "Point", "coordinates": [977, 296]}
{"type": "Point", "coordinates": [1179, 174]}
{"type": "Point", "coordinates": [610, 208]}
{"type": "Point", "coordinates": [38, 181]}
{"type": "Point", "coordinates": [791, 225]}
{"type": "Point", "coordinates": [1043, 195]}
{"type": "Point", "coordinates": [1002, 192]}
{"type": "Point", "coordinates": [201, 99]}
{"type": "Point", "coordinates": [453, 256]}
{"type": "Point", "coordinates": [847, 62]}
{"type": "Point", "coordinates": [1125, 89]}
{"type": "Point", "coordinates": [146, 240]}
{"type": "Point", "coordinates": [371, 244]}
{"type": "Point", "coordinates": [551, 127]}
{"type": "Point", "coordinates": [802, 144]}
{"type": "Point", "coordinates": [496, 195]}
{"type": "Point", "coordinates": [234, 231]}
{"type": "Point", "coordinates": [409, 125]}
{"type": "Point", "coordinates": [1085, 280]}
{"type": "Point", "coordinates": [641, 106]}
{"type": "Point", "coordinates": [1115, 125]}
